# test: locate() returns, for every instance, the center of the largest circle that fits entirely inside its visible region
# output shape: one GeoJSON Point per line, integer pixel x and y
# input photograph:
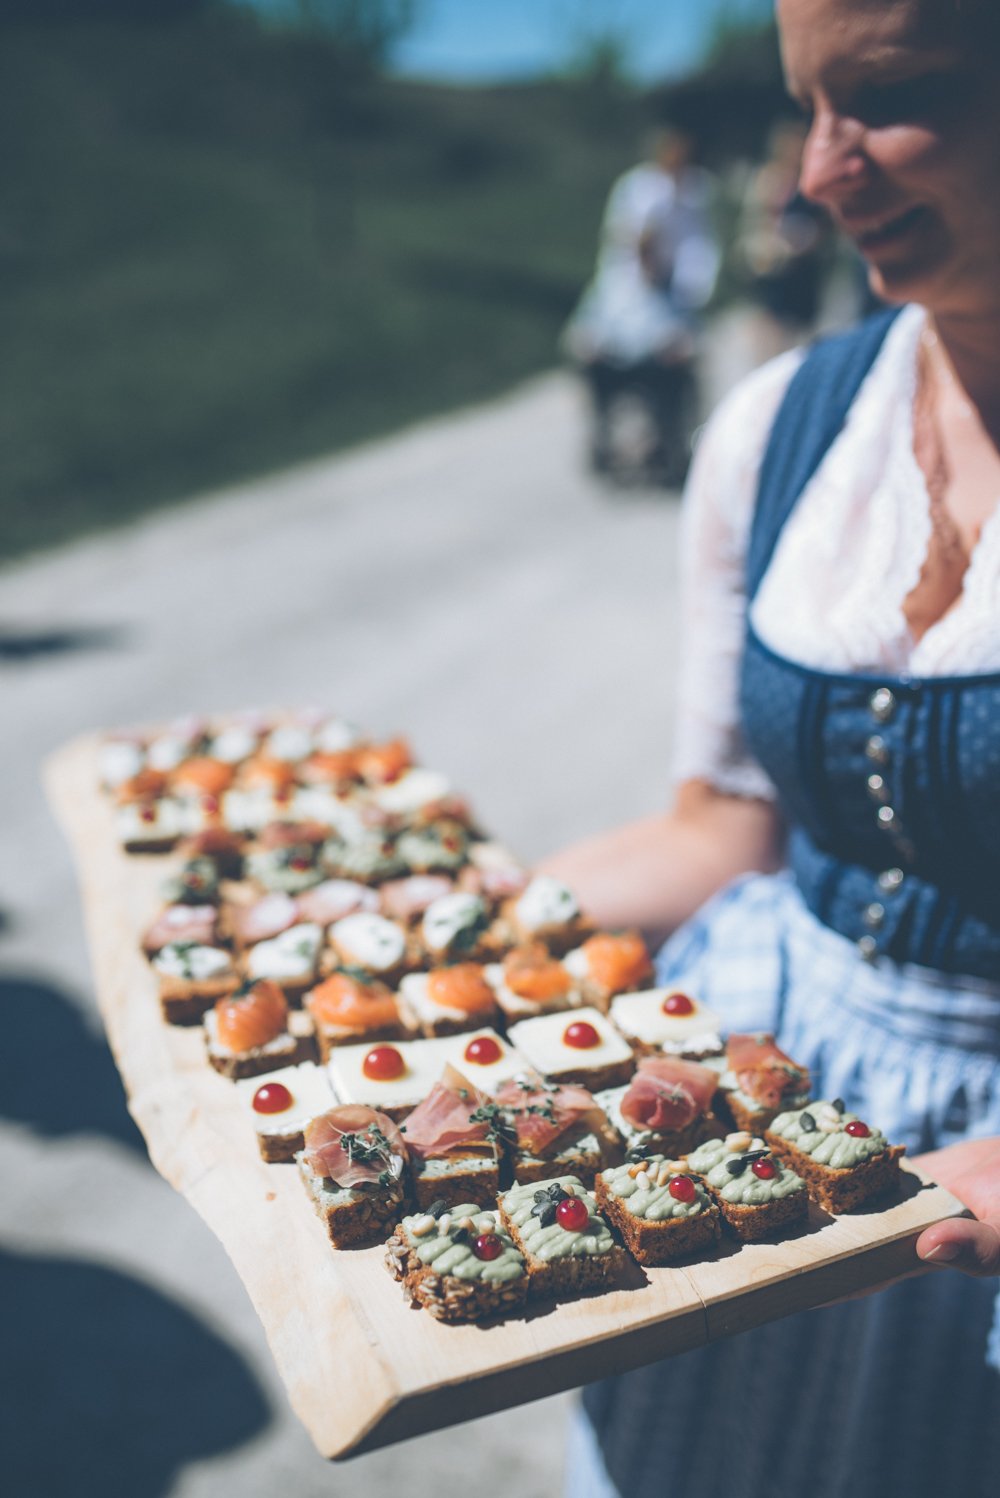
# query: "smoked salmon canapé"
{"type": "Point", "coordinates": [202, 777]}
{"type": "Point", "coordinates": [610, 963]}
{"type": "Point", "coordinates": [530, 981]}
{"type": "Point", "coordinates": [351, 1007]}
{"type": "Point", "coordinates": [248, 1032]}
{"type": "Point", "coordinates": [448, 1000]}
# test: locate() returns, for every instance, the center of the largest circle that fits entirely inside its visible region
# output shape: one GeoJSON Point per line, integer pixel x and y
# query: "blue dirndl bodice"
{"type": "Point", "coordinates": [875, 959]}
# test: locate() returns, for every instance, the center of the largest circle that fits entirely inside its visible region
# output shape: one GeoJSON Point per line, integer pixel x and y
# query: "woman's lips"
{"type": "Point", "coordinates": [882, 233]}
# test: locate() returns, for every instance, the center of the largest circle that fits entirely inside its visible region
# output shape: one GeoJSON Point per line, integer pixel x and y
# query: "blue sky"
{"type": "Point", "coordinates": [485, 41]}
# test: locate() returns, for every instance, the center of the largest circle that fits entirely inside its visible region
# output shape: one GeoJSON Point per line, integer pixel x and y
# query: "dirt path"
{"type": "Point", "coordinates": [463, 582]}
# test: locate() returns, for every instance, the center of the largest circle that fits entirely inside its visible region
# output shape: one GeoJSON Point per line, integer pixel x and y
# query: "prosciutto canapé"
{"type": "Point", "coordinates": [763, 1071]}
{"type": "Point", "coordinates": [668, 1093]}
{"type": "Point", "coordinates": [542, 1113]}
{"type": "Point", "coordinates": [354, 1145]}
{"type": "Point", "coordinates": [442, 1124]}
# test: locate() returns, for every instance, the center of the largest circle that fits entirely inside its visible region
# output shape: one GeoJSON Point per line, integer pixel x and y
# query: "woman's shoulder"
{"type": "Point", "coordinates": [731, 445]}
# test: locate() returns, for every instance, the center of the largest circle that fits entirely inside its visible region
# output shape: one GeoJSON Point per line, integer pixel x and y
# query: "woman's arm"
{"type": "Point", "coordinates": [656, 872]}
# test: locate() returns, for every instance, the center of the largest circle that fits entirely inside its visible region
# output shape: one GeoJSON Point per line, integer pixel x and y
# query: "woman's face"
{"type": "Point", "coordinates": [904, 144]}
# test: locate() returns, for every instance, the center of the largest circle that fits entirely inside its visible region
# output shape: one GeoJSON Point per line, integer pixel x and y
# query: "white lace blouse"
{"type": "Point", "coordinates": [832, 597]}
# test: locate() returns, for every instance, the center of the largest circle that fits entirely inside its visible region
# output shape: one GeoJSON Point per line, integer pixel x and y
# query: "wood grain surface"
{"type": "Point", "coordinates": [361, 1368]}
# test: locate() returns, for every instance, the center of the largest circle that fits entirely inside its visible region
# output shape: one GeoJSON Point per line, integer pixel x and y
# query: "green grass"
{"type": "Point", "coordinates": [221, 253]}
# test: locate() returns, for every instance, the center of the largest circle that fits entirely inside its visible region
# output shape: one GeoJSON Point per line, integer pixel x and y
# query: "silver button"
{"type": "Point", "coordinates": [882, 703]}
{"type": "Point", "coordinates": [874, 915]}
{"type": "Point", "coordinates": [890, 880]}
{"type": "Point", "coordinates": [886, 818]}
{"type": "Point", "coordinates": [877, 750]}
{"type": "Point", "coordinates": [877, 788]}
{"type": "Point", "coordinates": [868, 947]}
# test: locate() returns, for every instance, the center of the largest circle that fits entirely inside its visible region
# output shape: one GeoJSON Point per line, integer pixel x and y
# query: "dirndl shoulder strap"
{"type": "Point", "coordinates": [811, 415]}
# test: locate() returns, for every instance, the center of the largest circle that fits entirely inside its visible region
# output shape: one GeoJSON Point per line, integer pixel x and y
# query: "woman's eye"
{"type": "Point", "coordinates": [908, 99]}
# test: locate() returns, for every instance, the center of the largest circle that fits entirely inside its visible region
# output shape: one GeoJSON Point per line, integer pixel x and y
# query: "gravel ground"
{"type": "Point", "coordinates": [464, 582]}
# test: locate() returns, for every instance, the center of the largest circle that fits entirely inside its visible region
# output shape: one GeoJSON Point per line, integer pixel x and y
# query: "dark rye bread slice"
{"type": "Point", "coordinates": [184, 1001]}
{"type": "Point", "coordinates": [847, 1188]}
{"type": "Point", "coordinates": [655, 1243]}
{"type": "Point", "coordinates": [287, 1049]}
{"type": "Point", "coordinates": [354, 1216]}
{"type": "Point", "coordinates": [581, 1157]}
{"type": "Point", "coordinates": [751, 1224]}
{"type": "Point", "coordinates": [455, 1179]}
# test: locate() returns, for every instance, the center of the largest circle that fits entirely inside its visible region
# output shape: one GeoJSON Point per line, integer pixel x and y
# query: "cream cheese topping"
{"type": "Point", "coordinates": [120, 759]}
{"type": "Point", "coordinates": [292, 955]}
{"type": "Point", "coordinates": [412, 790]}
{"type": "Point", "coordinates": [231, 745]}
{"type": "Point", "coordinates": [337, 734]}
{"type": "Point", "coordinates": [453, 920]}
{"type": "Point", "coordinates": [151, 822]}
{"type": "Point", "coordinates": [546, 902]}
{"type": "Point", "coordinates": [369, 941]}
{"type": "Point", "coordinates": [289, 742]}
{"type": "Point", "coordinates": [192, 962]}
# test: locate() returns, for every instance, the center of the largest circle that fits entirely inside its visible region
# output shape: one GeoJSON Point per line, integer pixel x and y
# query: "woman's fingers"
{"type": "Point", "coordinates": [972, 1247]}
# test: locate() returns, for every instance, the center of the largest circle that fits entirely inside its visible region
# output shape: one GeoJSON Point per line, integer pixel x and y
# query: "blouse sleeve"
{"type": "Point", "coordinates": [715, 529]}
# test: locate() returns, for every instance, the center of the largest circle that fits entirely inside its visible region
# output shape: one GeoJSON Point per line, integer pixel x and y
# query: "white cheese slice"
{"type": "Point", "coordinates": [311, 1093]}
{"type": "Point", "coordinates": [542, 1041]}
{"type": "Point", "coordinates": [641, 1017]}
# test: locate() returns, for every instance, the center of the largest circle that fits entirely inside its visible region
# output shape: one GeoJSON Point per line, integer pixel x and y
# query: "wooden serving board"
{"type": "Point", "coordinates": [362, 1369]}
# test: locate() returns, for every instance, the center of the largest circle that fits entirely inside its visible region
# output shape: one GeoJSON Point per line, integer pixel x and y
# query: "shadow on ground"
{"type": "Point", "coordinates": [20, 646]}
{"type": "Point", "coordinates": [77, 1090]}
{"type": "Point", "coordinates": [108, 1387]}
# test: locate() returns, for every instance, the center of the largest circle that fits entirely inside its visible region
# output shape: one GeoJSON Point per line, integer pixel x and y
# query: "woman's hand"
{"type": "Point", "coordinates": [970, 1171]}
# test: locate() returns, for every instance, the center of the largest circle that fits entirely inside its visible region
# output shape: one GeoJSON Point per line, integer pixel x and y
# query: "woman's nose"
{"type": "Point", "coordinates": [833, 160]}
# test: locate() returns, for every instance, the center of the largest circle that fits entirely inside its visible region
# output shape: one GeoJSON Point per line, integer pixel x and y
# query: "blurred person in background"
{"type": "Point", "coordinates": [636, 330]}
{"type": "Point", "coordinates": [831, 866]}
{"type": "Point", "coordinates": [780, 247]}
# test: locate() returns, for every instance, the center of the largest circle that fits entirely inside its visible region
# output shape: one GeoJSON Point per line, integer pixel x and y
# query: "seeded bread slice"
{"type": "Point", "coordinates": [846, 1189]}
{"type": "Point", "coordinates": [661, 1242]}
{"type": "Point", "coordinates": [454, 1179]}
{"type": "Point", "coordinates": [587, 1260]}
{"type": "Point", "coordinates": [455, 1297]}
{"type": "Point", "coordinates": [354, 1216]}
{"type": "Point", "coordinates": [186, 1002]}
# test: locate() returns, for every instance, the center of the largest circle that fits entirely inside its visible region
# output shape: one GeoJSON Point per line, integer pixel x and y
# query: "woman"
{"type": "Point", "coordinates": [840, 710]}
